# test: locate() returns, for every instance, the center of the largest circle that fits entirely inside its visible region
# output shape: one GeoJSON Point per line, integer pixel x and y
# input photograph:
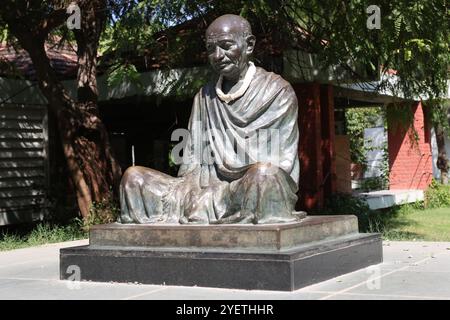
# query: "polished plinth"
{"type": "Point", "coordinates": [267, 257]}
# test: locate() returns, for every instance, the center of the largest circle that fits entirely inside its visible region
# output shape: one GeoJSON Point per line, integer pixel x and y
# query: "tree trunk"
{"type": "Point", "coordinates": [96, 143]}
{"type": "Point", "coordinates": [70, 122]}
{"type": "Point", "coordinates": [84, 140]}
{"type": "Point", "coordinates": [442, 160]}
{"type": "Point", "coordinates": [93, 169]}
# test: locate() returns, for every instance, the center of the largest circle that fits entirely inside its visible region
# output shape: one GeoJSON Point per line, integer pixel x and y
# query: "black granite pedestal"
{"type": "Point", "coordinates": [268, 257]}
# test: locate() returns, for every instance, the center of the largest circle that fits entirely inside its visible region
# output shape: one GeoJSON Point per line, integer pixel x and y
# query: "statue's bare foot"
{"type": "Point", "coordinates": [183, 220]}
{"type": "Point", "coordinates": [192, 220]}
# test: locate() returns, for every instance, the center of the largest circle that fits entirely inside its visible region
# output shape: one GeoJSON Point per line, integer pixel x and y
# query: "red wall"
{"type": "Point", "coordinates": [410, 160]}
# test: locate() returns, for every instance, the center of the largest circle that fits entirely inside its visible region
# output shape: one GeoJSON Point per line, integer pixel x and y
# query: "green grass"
{"type": "Point", "coordinates": [411, 223]}
{"type": "Point", "coordinates": [42, 233]}
{"type": "Point", "coordinates": [427, 220]}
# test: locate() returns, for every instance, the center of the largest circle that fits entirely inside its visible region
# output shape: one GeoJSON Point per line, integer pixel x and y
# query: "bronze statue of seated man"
{"type": "Point", "coordinates": [225, 177]}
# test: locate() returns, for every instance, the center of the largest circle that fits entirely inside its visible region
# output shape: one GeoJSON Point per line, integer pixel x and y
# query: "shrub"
{"type": "Point", "coordinates": [102, 212]}
{"type": "Point", "coordinates": [373, 183]}
{"type": "Point", "coordinates": [437, 195]}
{"type": "Point", "coordinates": [342, 203]}
{"type": "Point", "coordinates": [384, 221]}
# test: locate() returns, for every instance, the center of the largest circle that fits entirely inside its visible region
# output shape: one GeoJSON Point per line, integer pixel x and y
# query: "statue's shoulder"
{"type": "Point", "coordinates": [208, 89]}
{"type": "Point", "coordinates": [276, 81]}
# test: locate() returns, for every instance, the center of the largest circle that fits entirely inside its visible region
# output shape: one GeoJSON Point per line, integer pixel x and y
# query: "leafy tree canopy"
{"type": "Point", "coordinates": [413, 39]}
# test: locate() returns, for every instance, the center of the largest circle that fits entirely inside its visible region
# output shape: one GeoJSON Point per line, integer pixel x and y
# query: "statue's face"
{"type": "Point", "coordinates": [226, 54]}
{"type": "Point", "coordinates": [228, 51]}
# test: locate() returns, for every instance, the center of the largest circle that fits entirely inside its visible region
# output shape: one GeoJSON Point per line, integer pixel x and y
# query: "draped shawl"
{"type": "Point", "coordinates": [222, 143]}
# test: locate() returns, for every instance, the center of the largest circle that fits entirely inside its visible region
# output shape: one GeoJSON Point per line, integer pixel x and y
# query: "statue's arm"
{"type": "Point", "coordinates": [192, 150]}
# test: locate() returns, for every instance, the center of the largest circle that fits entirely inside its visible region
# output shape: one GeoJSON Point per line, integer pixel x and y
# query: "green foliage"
{"type": "Point", "coordinates": [48, 233]}
{"type": "Point", "coordinates": [384, 177]}
{"type": "Point", "coordinates": [357, 120]}
{"type": "Point", "coordinates": [102, 213]}
{"type": "Point", "coordinates": [124, 73]}
{"type": "Point", "coordinates": [373, 183]}
{"type": "Point", "coordinates": [437, 195]}
{"type": "Point", "coordinates": [385, 221]}
{"type": "Point", "coordinates": [427, 220]}
{"type": "Point", "coordinates": [382, 181]}
{"type": "Point", "coordinates": [400, 118]}
{"type": "Point", "coordinates": [43, 233]}
{"type": "Point", "coordinates": [411, 222]}
{"type": "Point", "coordinates": [413, 40]}
{"type": "Point", "coordinates": [391, 223]}
{"type": "Point", "coordinates": [439, 112]}
{"type": "Point", "coordinates": [342, 203]}
{"type": "Point", "coordinates": [131, 28]}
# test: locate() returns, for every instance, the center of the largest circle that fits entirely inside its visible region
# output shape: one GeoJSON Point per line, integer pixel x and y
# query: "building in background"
{"type": "Point", "coordinates": [140, 117]}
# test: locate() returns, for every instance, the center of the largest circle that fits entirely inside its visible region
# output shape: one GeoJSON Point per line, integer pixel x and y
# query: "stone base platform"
{"type": "Point", "coordinates": [267, 257]}
{"type": "Point", "coordinates": [231, 236]}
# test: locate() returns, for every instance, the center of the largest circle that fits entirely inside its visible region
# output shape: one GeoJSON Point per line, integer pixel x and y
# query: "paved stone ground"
{"type": "Point", "coordinates": [411, 270]}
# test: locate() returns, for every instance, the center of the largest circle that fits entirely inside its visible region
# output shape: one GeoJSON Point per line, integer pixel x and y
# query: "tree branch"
{"type": "Point", "coordinates": [53, 20]}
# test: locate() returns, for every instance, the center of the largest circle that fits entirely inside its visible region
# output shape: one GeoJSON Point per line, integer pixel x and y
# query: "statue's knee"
{"type": "Point", "coordinates": [263, 169]}
{"type": "Point", "coordinates": [131, 177]}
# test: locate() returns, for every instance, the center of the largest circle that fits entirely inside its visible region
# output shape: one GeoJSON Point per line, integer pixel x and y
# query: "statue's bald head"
{"type": "Point", "coordinates": [229, 43]}
{"type": "Point", "coordinates": [229, 23]}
